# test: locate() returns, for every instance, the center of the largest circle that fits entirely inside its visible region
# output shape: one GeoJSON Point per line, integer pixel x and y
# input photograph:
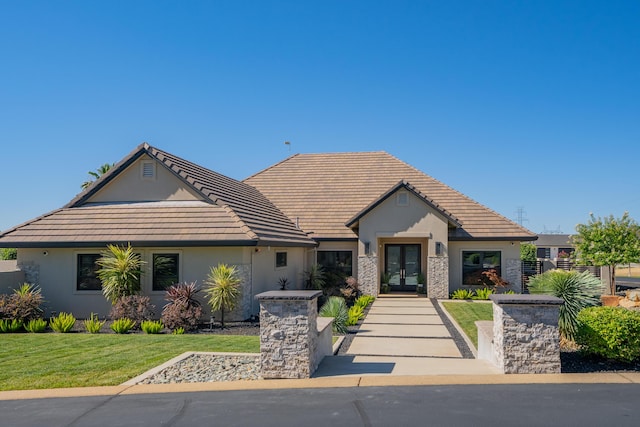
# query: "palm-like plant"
{"type": "Point", "coordinates": [336, 307]}
{"type": "Point", "coordinates": [96, 174]}
{"type": "Point", "coordinates": [315, 277]}
{"type": "Point", "coordinates": [223, 289]}
{"type": "Point", "coordinates": [578, 290]}
{"type": "Point", "coordinates": [120, 272]}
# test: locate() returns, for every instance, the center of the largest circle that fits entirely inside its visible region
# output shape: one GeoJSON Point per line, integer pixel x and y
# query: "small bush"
{"type": "Point", "coordinates": [610, 332]}
{"type": "Point", "coordinates": [355, 314]}
{"type": "Point", "coordinates": [93, 324]}
{"type": "Point", "coordinates": [178, 331]}
{"type": "Point", "coordinates": [10, 325]}
{"type": "Point", "coordinates": [183, 309]}
{"type": "Point", "coordinates": [365, 300]}
{"type": "Point", "coordinates": [578, 290]}
{"type": "Point", "coordinates": [63, 323]}
{"type": "Point", "coordinates": [133, 307]}
{"type": "Point", "coordinates": [483, 294]}
{"type": "Point", "coordinates": [23, 304]}
{"type": "Point", "coordinates": [36, 326]}
{"type": "Point", "coordinates": [151, 326]}
{"type": "Point", "coordinates": [462, 294]}
{"type": "Point", "coordinates": [122, 325]}
{"type": "Point", "coordinates": [336, 307]}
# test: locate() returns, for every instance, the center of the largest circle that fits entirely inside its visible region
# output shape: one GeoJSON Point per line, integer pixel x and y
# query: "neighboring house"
{"type": "Point", "coordinates": [553, 246]}
{"type": "Point", "coordinates": [357, 214]}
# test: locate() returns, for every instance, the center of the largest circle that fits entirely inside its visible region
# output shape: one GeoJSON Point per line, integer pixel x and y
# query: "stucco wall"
{"type": "Point", "coordinates": [57, 275]}
{"type": "Point", "coordinates": [510, 252]}
{"type": "Point", "coordinates": [130, 186]}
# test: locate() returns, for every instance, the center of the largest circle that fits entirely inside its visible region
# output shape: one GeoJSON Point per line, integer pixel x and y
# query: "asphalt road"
{"type": "Point", "coordinates": [460, 405]}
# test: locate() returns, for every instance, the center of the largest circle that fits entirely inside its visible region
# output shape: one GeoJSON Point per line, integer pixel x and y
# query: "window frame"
{"type": "Point", "coordinates": [286, 260]}
{"type": "Point", "coordinates": [179, 262]}
{"type": "Point", "coordinates": [335, 251]}
{"type": "Point", "coordinates": [77, 263]}
{"type": "Point", "coordinates": [481, 263]}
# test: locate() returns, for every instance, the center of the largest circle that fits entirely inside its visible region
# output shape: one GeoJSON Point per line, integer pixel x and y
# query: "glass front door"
{"type": "Point", "coordinates": [402, 263]}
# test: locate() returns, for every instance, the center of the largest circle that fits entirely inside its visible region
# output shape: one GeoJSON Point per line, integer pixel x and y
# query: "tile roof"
{"type": "Point", "coordinates": [325, 191]}
{"type": "Point", "coordinates": [232, 212]}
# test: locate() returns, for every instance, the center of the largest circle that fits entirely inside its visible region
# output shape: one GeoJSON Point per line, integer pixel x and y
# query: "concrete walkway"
{"type": "Point", "coordinates": [403, 336]}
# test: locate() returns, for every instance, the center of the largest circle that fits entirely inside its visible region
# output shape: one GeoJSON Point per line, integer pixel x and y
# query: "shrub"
{"type": "Point", "coordinates": [223, 289]}
{"type": "Point", "coordinates": [178, 331]}
{"type": "Point", "coordinates": [483, 294]}
{"type": "Point", "coordinates": [365, 300]}
{"type": "Point", "coordinates": [336, 307]}
{"type": "Point", "coordinates": [134, 307]}
{"type": "Point", "coordinates": [462, 294]}
{"type": "Point", "coordinates": [62, 323]}
{"type": "Point", "coordinates": [120, 271]}
{"type": "Point", "coordinates": [8, 254]}
{"type": "Point", "coordinates": [351, 290]}
{"type": "Point", "coordinates": [354, 315]}
{"type": "Point", "coordinates": [578, 290]}
{"type": "Point", "coordinates": [183, 309]}
{"type": "Point", "coordinates": [610, 332]}
{"type": "Point", "coordinates": [93, 324]}
{"type": "Point", "coordinates": [36, 326]}
{"type": "Point", "coordinates": [10, 325]}
{"type": "Point", "coordinates": [122, 325]}
{"type": "Point", "coordinates": [151, 326]}
{"type": "Point", "coordinates": [23, 304]}
{"type": "Point", "coordinates": [314, 278]}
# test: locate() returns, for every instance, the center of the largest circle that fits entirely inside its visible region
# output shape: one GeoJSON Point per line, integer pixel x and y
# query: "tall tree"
{"type": "Point", "coordinates": [608, 242]}
{"type": "Point", "coordinates": [96, 174]}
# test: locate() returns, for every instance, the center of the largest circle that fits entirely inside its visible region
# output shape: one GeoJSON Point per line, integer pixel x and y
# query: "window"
{"type": "Point", "coordinates": [165, 271]}
{"type": "Point", "coordinates": [87, 276]}
{"type": "Point", "coordinates": [474, 263]}
{"type": "Point", "coordinates": [281, 259]}
{"type": "Point", "coordinates": [337, 265]}
{"type": "Point", "coordinates": [543, 253]}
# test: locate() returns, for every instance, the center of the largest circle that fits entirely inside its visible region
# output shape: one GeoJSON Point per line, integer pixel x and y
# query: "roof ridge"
{"type": "Point", "coordinates": [463, 195]}
{"type": "Point", "coordinates": [269, 167]}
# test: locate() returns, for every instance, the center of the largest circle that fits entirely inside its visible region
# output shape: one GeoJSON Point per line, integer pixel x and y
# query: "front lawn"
{"type": "Point", "coordinates": [33, 361]}
{"type": "Point", "coordinates": [466, 313]}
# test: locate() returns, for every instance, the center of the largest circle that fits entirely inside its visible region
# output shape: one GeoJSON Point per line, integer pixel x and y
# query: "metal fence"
{"type": "Point", "coordinates": [531, 268]}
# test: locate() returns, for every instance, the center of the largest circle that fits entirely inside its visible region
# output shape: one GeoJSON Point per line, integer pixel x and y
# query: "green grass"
{"type": "Point", "coordinates": [466, 313]}
{"type": "Point", "coordinates": [36, 361]}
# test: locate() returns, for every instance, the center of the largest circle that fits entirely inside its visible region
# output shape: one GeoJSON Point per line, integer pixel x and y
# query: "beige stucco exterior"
{"type": "Point", "coordinates": [57, 267]}
{"type": "Point", "coordinates": [131, 186]}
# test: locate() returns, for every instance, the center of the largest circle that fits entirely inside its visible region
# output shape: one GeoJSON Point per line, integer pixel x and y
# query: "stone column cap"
{"type": "Point", "coordinates": [526, 299]}
{"type": "Point", "coordinates": [289, 295]}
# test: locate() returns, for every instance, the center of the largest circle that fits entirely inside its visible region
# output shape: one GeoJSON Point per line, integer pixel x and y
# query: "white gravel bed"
{"type": "Point", "coordinates": [208, 368]}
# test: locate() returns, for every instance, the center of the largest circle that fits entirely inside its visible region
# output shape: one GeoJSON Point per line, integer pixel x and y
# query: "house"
{"type": "Point", "coordinates": [553, 246]}
{"type": "Point", "coordinates": [356, 214]}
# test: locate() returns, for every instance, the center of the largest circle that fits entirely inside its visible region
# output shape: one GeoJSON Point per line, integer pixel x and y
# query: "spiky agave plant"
{"type": "Point", "coordinates": [120, 271]}
{"type": "Point", "coordinates": [578, 290]}
{"type": "Point", "coordinates": [223, 289]}
{"type": "Point", "coordinates": [336, 307]}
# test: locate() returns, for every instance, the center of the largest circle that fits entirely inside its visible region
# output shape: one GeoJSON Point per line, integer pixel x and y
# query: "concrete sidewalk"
{"type": "Point", "coordinates": [403, 336]}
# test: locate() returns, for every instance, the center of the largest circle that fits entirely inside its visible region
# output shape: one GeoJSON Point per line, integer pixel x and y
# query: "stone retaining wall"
{"type": "Point", "coordinates": [291, 346]}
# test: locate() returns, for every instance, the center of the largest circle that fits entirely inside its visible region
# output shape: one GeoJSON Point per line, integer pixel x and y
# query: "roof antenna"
{"type": "Point", "coordinates": [288, 144]}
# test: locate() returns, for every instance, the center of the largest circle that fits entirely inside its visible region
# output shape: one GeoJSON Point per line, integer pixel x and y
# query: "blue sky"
{"type": "Point", "coordinates": [530, 104]}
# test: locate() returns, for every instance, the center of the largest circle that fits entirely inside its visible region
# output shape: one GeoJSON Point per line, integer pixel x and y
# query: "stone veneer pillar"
{"type": "Point", "coordinates": [288, 334]}
{"type": "Point", "coordinates": [368, 274]}
{"type": "Point", "coordinates": [438, 277]}
{"type": "Point", "coordinates": [526, 338]}
{"type": "Point", "coordinates": [513, 274]}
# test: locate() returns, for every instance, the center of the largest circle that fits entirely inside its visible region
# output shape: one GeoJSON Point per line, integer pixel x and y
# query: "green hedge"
{"type": "Point", "coordinates": [610, 332]}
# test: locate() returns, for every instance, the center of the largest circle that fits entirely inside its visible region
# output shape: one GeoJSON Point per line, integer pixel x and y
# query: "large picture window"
{"type": "Point", "coordinates": [474, 263]}
{"type": "Point", "coordinates": [165, 271]}
{"type": "Point", "coordinates": [87, 273]}
{"type": "Point", "coordinates": [338, 265]}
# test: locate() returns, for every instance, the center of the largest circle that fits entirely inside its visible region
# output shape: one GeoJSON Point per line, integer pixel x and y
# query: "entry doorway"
{"type": "Point", "coordinates": [402, 264]}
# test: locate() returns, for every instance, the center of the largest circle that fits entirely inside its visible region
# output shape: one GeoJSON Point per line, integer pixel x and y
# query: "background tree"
{"type": "Point", "coordinates": [7, 254]}
{"type": "Point", "coordinates": [528, 252]}
{"type": "Point", "coordinates": [608, 242]}
{"type": "Point", "coordinates": [97, 174]}
{"type": "Point", "coordinates": [223, 289]}
{"type": "Point", "coordinates": [120, 272]}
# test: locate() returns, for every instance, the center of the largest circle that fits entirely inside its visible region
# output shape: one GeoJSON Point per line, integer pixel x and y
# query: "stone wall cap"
{"type": "Point", "coordinates": [526, 299]}
{"type": "Point", "coordinates": [289, 295]}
